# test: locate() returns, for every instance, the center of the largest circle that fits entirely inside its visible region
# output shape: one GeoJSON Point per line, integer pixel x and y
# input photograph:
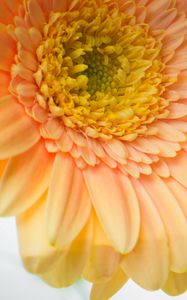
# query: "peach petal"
{"type": "Point", "coordinates": [173, 219]}
{"type": "Point", "coordinates": [22, 72]}
{"type": "Point", "coordinates": [37, 253]}
{"type": "Point", "coordinates": [161, 169]}
{"type": "Point", "coordinates": [118, 148]}
{"type": "Point", "coordinates": [177, 110]}
{"type": "Point", "coordinates": [78, 138]}
{"type": "Point", "coordinates": [68, 203]}
{"type": "Point", "coordinates": [145, 145]}
{"type": "Point", "coordinates": [176, 284]}
{"type": "Point", "coordinates": [148, 263]}
{"type": "Point", "coordinates": [163, 20]}
{"type": "Point", "coordinates": [131, 168]}
{"type": "Point", "coordinates": [39, 114]}
{"type": "Point", "coordinates": [180, 193]}
{"type": "Point", "coordinates": [97, 148]}
{"type": "Point", "coordinates": [178, 167]}
{"type": "Point", "coordinates": [18, 132]}
{"type": "Point", "coordinates": [32, 171]}
{"type": "Point", "coordinates": [156, 8]}
{"type": "Point", "coordinates": [69, 267]}
{"type": "Point", "coordinates": [65, 143]}
{"type": "Point", "coordinates": [53, 128]}
{"type": "Point", "coordinates": [27, 59]}
{"type": "Point", "coordinates": [35, 35]}
{"type": "Point", "coordinates": [178, 27]}
{"type": "Point", "coordinates": [108, 199]}
{"type": "Point", "coordinates": [107, 289]}
{"type": "Point", "coordinates": [109, 162]}
{"type": "Point", "coordinates": [166, 149]}
{"type": "Point", "coordinates": [169, 133]}
{"type": "Point", "coordinates": [88, 155]}
{"type": "Point", "coordinates": [23, 37]}
{"type": "Point", "coordinates": [103, 260]}
{"type": "Point", "coordinates": [27, 89]}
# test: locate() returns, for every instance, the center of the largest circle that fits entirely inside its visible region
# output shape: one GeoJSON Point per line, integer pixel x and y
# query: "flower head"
{"type": "Point", "coordinates": [93, 116]}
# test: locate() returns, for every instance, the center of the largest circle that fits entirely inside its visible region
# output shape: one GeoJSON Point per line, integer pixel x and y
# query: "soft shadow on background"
{"type": "Point", "coordinates": [16, 283]}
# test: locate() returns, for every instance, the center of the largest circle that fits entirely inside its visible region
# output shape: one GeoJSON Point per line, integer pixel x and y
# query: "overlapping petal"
{"type": "Point", "coordinates": [99, 184]}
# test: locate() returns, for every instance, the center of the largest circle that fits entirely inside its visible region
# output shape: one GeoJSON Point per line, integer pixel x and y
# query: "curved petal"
{"type": "Point", "coordinates": [7, 49]}
{"type": "Point", "coordinates": [176, 284]}
{"type": "Point", "coordinates": [18, 132]}
{"type": "Point", "coordinates": [107, 289]}
{"type": "Point", "coordinates": [37, 253]}
{"type": "Point", "coordinates": [25, 179]}
{"type": "Point", "coordinates": [113, 206]}
{"type": "Point", "coordinates": [173, 219]}
{"type": "Point", "coordinates": [4, 83]}
{"type": "Point", "coordinates": [3, 164]}
{"type": "Point", "coordinates": [68, 201]}
{"type": "Point", "coordinates": [6, 16]}
{"type": "Point", "coordinates": [69, 267]}
{"type": "Point", "coordinates": [177, 167]}
{"type": "Point", "coordinates": [103, 259]}
{"type": "Point", "coordinates": [148, 263]}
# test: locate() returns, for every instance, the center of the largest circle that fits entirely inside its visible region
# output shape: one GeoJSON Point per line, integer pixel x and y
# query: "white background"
{"type": "Point", "coordinates": [16, 283]}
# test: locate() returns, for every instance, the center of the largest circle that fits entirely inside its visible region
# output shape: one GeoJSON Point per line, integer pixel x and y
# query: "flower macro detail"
{"type": "Point", "coordinates": [93, 142]}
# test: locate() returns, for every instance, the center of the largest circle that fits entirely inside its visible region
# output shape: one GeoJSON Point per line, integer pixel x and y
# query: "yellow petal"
{"type": "Point", "coordinates": [106, 290]}
{"type": "Point", "coordinates": [25, 179]}
{"type": "Point", "coordinates": [110, 197]}
{"type": "Point", "coordinates": [176, 284]}
{"type": "Point", "coordinates": [69, 204]}
{"type": "Point", "coordinates": [37, 253]}
{"type": "Point", "coordinates": [148, 263]}
{"type": "Point", "coordinates": [69, 266]}
{"type": "Point", "coordinates": [103, 259]}
{"type": "Point", "coordinates": [173, 219]}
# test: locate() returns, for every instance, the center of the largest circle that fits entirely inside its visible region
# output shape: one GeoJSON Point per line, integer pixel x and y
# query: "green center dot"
{"type": "Point", "coordinates": [100, 74]}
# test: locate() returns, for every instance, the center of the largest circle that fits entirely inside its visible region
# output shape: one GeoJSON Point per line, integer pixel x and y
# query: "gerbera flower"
{"type": "Point", "coordinates": [93, 118]}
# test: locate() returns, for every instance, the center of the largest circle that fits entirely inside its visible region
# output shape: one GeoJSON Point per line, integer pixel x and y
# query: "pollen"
{"type": "Point", "coordinates": [101, 73]}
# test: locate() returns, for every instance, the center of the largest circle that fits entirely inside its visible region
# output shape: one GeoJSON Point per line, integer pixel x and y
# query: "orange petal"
{"type": "Point", "coordinates": [107, 289]}
{"type": "Point", "coordinates": [37, 253]}
{"type": "Point", "coordinates": [68, 205]}
{"type": "Point", "coordinates": [3, 164]}
{"type": "Point", "coordinates": [36, 14]}
{"type": "Point", "coordinates": [60, 6]}
{"type": "Point", "coordinates": [6, 16]}
{"type": "Point", "coordinates": [18, 132]}
{"type": "Point", "coordinates": [113, 205]}
{"type": "Point", "coordinates": [173, 219]}
{"type": "Point", "coordinates": [25, 179]}
{"type": "Point", "coordinates": [148, 263]}
{"type": "Point", "coordinates": [4, 83]}
{"type": "Point", "coordinates": [7, 49]}
{"type": "Point", "coordinates": [69, 267]}
{"type": "Point", "coordinates": [103, 259]}
{"type": "Point", "coordinates": [176, 284]}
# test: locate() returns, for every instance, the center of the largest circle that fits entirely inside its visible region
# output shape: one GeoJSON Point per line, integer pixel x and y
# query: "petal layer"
{"type": "Point", "coordinates": [69, 204]}
{"type": "Point", "coordinates": [25, 179]}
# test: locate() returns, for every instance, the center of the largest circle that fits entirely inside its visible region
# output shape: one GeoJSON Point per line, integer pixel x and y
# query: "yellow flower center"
{"type": "Point", "coordinates": [101, 73]}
